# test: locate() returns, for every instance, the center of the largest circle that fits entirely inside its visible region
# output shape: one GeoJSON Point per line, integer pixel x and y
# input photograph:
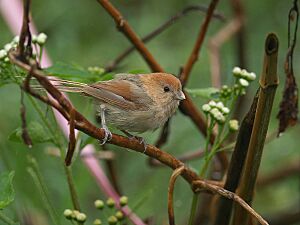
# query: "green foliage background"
{"type": "Point", "coordinates": [81, 32]}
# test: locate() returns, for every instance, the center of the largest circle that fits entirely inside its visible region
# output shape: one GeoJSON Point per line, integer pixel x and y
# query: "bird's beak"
{"type": "Point", "coordinates": [180, 95]}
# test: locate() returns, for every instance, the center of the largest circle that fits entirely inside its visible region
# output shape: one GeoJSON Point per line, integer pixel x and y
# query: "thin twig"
{"type": "Point", "coordinates": [194, 55]}
{"type": "Point", "coordinates": [25, 135]}
{"type": "Point", "coordinates": [72, 139]}
{"type": "Point", "coordinates": [112, 65]}
{"type": "Point", "coordinates": [172, 181]}
{"type": "Point", "coordinates": [197, 185]}
{"type": "Point", "coordinates": [289, 169]}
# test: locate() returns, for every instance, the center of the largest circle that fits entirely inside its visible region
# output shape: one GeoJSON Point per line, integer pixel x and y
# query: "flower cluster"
{"type": "Point", "coordinates": [243, 79]}
{"type": "Point", "coordinates": [39, 39]}
{"type": "Point", "coordinates": [75, 215]}
{"type": "Point", "coordinates": [7, 47]}
{"type": "Point", "coordinates": [216, 110]}
{"type": "Point", "coordinates": [96, 70]}
{"type": "Point", "coordinates": [110, 203]}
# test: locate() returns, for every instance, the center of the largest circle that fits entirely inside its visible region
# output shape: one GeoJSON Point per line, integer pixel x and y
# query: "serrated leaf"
{"type": "Point", "coordinates": [7, 193]}
{"type": "Point", "coordinates": [204, 92]}
{"type": "Point", "coordinates": [73, 72]}
{"type": "Point", "coordinates": [36, 132]}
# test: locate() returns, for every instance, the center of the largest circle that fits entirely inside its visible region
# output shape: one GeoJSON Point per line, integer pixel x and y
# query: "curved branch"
{"type": "Point", "coordinates": [173, 178]}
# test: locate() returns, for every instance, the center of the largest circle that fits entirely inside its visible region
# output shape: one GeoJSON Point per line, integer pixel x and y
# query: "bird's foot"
{"type": "Point", "coordinates": [107, 136]}
{"type": "Point", "coordinates": [141, 140]}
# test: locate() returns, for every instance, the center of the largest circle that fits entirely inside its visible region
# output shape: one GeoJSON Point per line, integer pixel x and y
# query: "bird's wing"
{"type": "Point", "coordinates": [120, 93]}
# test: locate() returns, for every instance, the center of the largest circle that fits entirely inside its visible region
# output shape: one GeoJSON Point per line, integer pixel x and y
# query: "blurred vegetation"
{"type": "Point", "coordinates": [82, 33]}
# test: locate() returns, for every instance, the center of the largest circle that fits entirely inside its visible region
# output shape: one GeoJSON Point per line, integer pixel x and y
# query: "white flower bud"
{"type": "Point", "coordinates": [243, 82]}
{"type": "Point", "coordinates": [212, 103]}
{"type": "Point", "coordinates": [244, 73]}
{"type": "Point", "coordinates": [233, 125]}
{"type": "Point", "coordinates": [81, 217]}
{"type": "Point", "coordinates": [225, 110]}
{"type": "Point", "coordinates": [206, 108]}
{"type": "Point", "coordinates": [16, 40]}
{"type": "Point", "coordinates": [7, 47]}
{"type": "Point", "coordinates": [220, 105]}
{"type": "Point", "coordinates": [34, 39]}
{"type": "Point", "coordinates": [6, 59]}
{"type": "Point", "coordinates": [214, 112]}
{"type": "Point", "coordinates": [41, 38]}
{"type": "Point", "coordinates": [68, 213]}
{"type": "Point", "coordinates": [3, 54]}
{"type": "Point", "coordinates": [236, 71]}
{"type": "Point", "coordinates": [219, 117]}
{"type": "Point", "coordinates": [251, 76]}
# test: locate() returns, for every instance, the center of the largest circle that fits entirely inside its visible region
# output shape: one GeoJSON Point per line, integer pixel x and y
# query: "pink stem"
{"type": "Point", "coordinates": [11, 11]}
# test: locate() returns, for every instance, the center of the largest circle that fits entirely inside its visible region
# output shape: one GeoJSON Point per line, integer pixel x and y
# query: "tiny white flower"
{"type": "Point", "coordinates": [225, 110]}
{"type": "Point", "coordinates": [34, 38]}
{"type": "Point", "coordinates": [236, 70]}
{"type": "Point", "coordinates": [220, 105]}
{"type": "Point", "coordinates": [81, 217]}
{"type": "Point", "coordinates": [219, 117]}
{"type": "Point", "coordinates": [41, 38]}
{"type": "Point", "coordinates": [244, 73]}
{"type": "Point", "coordinates": [251, 76]}
{"type": "Point", "coordinates": [212, 103]}
{"type": "Point", "coordinates": [7, 47]}
{"type": "Point", "coordinates": [16, 39]}
{"type": "Point", "coordinates": [206, 108]}
{"type": "Point", "coordinates": [3, 54]}
{"type": "Point", "coordinates": [214, 112]}
{"type": "Point", "coordinates": [243, 82]}
{"type": "Point", "coordinates": [233, 125]}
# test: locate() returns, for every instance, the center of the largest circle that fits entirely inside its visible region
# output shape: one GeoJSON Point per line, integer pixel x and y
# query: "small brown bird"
{"type": "Point", "coordinates": [132, 102]}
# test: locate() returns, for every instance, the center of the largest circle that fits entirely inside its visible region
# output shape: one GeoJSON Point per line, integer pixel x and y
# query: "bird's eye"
{"type": "Point", "coordinates": [166, 89]}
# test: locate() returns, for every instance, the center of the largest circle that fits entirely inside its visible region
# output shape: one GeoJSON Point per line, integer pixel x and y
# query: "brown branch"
{"type": "Point", "coordinates": [125, 28]}
{"type": "Point", "coordinates": [173, 178]}
{"type": "Point", "coordinates": [72, 139]}
{"type": "Point", "coordinates": [290, 169]}
{"type": "Point", "coordinates": [25, 135]}
{"type": "Point", "coordinates": [194, 55]}
{"type": "Point", "coordinates": [25, 33]}
{"type": "Point", "coordinates": [112, 65]}
{"type": "Point", "coordinates": [197, 185]}
{"type": "Point", "coordinates": [187, 106]}
{"type": "Point", "coordinates": [214, 49]}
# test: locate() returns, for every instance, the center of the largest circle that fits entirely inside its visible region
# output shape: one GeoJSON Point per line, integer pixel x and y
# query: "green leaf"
{"type": "Point", "coordinates": [137, 71]}
{"type": "Point", "coordinates": [36, 132]}
{"type": "Point", "coordinates": [73, 72]}
{"type": "Point", "coordinates": [204, 92]}
{"type": "Point", "coordinates": [7, 193]}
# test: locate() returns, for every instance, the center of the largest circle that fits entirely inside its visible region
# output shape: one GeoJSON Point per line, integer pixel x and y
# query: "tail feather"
{"type": "Point", "coordinates": [63, 85]}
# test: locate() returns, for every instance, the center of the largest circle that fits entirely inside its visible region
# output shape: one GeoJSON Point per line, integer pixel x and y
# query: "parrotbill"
{"type": "Point", "coordinates": [131, 102]}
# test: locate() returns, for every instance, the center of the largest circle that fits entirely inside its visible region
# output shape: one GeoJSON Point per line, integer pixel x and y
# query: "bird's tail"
{"type": "Point", "coordinates": [63, 85]}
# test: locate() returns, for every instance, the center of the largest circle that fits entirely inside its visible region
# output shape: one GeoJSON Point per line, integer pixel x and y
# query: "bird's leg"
{"type": "Point", "coordinates": [108, 135]}
{"type": "Point", "coordinates": [140, 139]}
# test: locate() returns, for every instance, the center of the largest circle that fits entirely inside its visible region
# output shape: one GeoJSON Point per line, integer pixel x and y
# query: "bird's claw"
{"type": "Point", "coordinates": [107, 136]}
{"type": "Point", "coordinates": [141, 140]}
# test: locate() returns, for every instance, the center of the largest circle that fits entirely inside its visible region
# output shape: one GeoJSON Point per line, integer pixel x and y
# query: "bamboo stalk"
{"type": "Point", "coordinates": [268, 86]}
{"type": "Point", "coordinates": [236, 164]}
